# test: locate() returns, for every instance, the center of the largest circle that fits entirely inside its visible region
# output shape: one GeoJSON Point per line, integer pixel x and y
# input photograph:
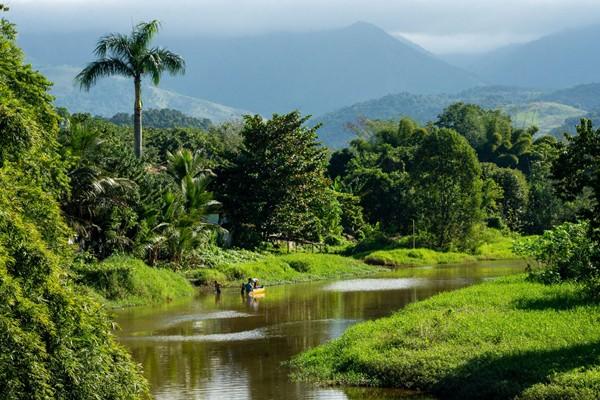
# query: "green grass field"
{"type": "Point", "coordinates": [502, 339]}
{"type": "Point", "coordinates": [126, 281]}
{"type": "Point", "coordinates": [277, 269]}
{"type": "Point", "coordinates": [494, 246]}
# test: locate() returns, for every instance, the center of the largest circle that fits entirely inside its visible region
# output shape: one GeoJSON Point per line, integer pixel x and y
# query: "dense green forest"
{"type": "Point", "coordinates": [163, 118]}
{"type": "Point", "coordinates": [80, 201]}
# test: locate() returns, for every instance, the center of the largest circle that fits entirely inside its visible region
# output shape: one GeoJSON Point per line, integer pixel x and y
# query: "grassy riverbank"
{"type": "Point", "coordinates": [278, 269]}
{"type": "Point", "coordinates": [495, 247]}
{"type": "Point", "coordinates": [498, 340]}
{"type": "Point", "coordinates": [127, 281]}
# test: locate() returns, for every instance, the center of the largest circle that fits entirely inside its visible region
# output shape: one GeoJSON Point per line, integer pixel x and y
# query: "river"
{"type": "Point", "coordinates": [230, 347]}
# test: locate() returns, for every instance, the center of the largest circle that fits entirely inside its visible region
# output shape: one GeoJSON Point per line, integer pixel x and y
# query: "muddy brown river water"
{"type": "Point", "coordinates": [231, 347]}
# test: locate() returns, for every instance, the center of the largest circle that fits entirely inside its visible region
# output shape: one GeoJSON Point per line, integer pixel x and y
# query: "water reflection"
{"type": "Point", "coordinates": [233, 348]}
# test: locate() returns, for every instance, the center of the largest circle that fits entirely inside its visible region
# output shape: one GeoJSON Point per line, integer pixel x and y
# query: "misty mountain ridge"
{"type": "Point", "coordinates": [559, 60]}
{"type": "Point", "coordinates": [526, 107]}
{"type": "Point", "coordinates": [315, 72]}
{"type": "Point", "coordinates": [114, 95]}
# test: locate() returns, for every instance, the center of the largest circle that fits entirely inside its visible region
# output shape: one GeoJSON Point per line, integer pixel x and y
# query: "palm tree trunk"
{"type": "Point", "coordinates": [137, 118]}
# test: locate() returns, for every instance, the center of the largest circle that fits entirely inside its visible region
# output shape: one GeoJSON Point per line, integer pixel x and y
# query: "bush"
{"type": "Point", "coordinates": [563, 253]}
{"type": "Point", "coordinates": [55, 342]}
{"type": "Point", "coordinates": [375, 239]}
{"type": "Point", "coordinates": [299, 265]}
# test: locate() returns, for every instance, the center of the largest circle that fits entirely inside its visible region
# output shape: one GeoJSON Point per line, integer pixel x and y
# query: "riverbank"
{"type": "Point", "coordinates": [495, 247]}
{"type": "Point", "coordinates": [122, 281]}
{"type": "Point", "coordinates": [499, 340]}
{"type": "Point", "coordinates": [280, 269]}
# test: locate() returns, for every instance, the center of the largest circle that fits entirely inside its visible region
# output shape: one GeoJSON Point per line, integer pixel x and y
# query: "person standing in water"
{"type": "Point", "coordinates": [217, 287]}
{"type": "Point", "coordinates": [249, 286]}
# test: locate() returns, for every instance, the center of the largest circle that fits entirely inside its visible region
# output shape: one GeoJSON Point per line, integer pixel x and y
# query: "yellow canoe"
{"type": "Point", "coordinates": [257, 292]}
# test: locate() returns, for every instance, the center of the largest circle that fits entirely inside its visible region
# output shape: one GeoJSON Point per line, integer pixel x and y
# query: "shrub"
{"type": "Point", "coordinates": [299, 265]}
{"type": "Point", "coordinates": [563, 253]}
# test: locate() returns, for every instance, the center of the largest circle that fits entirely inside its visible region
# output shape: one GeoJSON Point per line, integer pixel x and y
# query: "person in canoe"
{"type": "Point", "coordinates": [256, 284]}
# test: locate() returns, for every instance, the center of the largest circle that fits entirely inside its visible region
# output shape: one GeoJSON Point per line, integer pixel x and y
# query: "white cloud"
{"type": "Point", "coordinates": [438, 25]}
{"type": "Point", "coordinates": [465, 42]}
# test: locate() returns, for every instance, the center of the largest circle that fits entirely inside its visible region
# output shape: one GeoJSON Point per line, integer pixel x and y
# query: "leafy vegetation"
{"type": "Point", "coordinates": [505, 339]}
{"type": "Point", "coordinates": [416, 257]}
{"type": "Point", "coordinates": [130, 56]}
{"type": "Point", "coordinates": [163, 118]}
{"type": "Point", "coordinates": [88, 211]}
{"type": "Point", "coordinates": [56, 342]}
{"type": "Point", "coordinates": [276, 188]}
{"type": "Point", "coordinates": [126, 281]}
{"type": "Point", "coordinates": [277, 269]}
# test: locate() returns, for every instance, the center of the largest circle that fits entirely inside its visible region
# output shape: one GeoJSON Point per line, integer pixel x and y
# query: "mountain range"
{"type": "Point", "coordinates": [558, 60]}
{"type": "Point", "coordinates": [547, 110]}
{"type": "Point", "coordinates": [115, 95]}
{"type": "Point", "coordinates": [315, 72]}
{"type": "Point", "coordinates": [341, 76]}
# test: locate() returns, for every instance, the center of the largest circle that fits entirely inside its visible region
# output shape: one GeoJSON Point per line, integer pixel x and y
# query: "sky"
{"type": "Point", "coordinates": [440, 26]}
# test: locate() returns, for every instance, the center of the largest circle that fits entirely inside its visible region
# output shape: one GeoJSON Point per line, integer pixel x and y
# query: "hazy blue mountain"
{"type": "Point", "coordinates": [558, 60]}
{"type": "Point", "coordinates": [314, 72]}
{"type": "Point", "coordinates": [115, 95]}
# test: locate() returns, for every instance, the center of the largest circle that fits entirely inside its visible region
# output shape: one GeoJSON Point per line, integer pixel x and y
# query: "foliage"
{"type": "Point", "coordinates": [101, 207]}
{"type": "Point", "coordinates": [181, 223]}
{"type": "Point", "coordinates": [276, 188]}
{"type": "Point", "coordinates": [545, 208]}
{"type": "Point", "coordinates": [277, 269]}
{"type": "Point", "coordinates": [126, 281]}
{"type": "Point", "coordinates": [378, 172]}
{"type": "Point", "coordinates": [563, 253]}
{"type": "Point", "coordinates": [513, 193]}
{"type": "Point", "coordinates": [416, 257]}
{"type": "Point", "coordinates": [55, 342]}
{"type": "Point", "coordinates": [447, 185]}
{"type": "Point", "coordinates": [352, 219]}
{"type": "Point", "coordinates": [489, 132]}
{"type": "Point", "coordinates": [131, 57]}
{"type": "Point", "coordinates": [490, 245]}
{"type": "Point", "coordinates": [422, 172]}
{"type": "Point", "coordinates": [505, 339]}
{"type": "Point", "coordinates": [577, 171]}
{"type": "Point", "coordinates": [163, 118]}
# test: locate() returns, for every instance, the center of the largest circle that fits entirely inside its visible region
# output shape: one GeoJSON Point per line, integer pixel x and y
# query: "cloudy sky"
{"type": "Point", "coordinates": [441, 26]}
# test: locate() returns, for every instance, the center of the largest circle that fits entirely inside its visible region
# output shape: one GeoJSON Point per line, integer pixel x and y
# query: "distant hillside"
{"type": "Point", "coordinates": [547, 116]}
{"type": "Point", "coordinates": [115, 95]}
{"type": "Point", "coordinates": [314, 72]}
{"type": "Point", "coordinates": [569, 125]}
{"type": "Point", "coordinates": [586, 97]}
{"type": "Point", "coordinates": [556, 61]}
{"type": "Point", "coordinates": [337, 126]}
{"type": "Point", "coordinates": [163, 118]}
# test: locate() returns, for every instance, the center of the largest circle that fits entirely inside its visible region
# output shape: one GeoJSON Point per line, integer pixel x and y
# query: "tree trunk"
{"type": "Point", "coordinates": [137, 118]}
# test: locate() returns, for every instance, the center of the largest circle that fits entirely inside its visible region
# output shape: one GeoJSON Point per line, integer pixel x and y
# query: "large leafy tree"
{"type": "Point", "coordinates": [490, 133]}
{"type": "Point", "coordinates": [276, 188]}
{"type": "Point", "coordinates": [131, 56]}
{"type": "Point", "coordinates": [377, 169]}
{"type": "Point", "coordinates": [447, 184]}
{"type": "Point", "coordinates": [514, 198]}
{"type": "Point", "coordinates": [577, 171]}
{"type": "Point", "coordinates": [55, 343]}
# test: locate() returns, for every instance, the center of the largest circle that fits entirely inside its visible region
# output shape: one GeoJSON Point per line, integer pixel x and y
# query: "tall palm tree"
{"type": "Point", "coordinates": [131, 56]}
